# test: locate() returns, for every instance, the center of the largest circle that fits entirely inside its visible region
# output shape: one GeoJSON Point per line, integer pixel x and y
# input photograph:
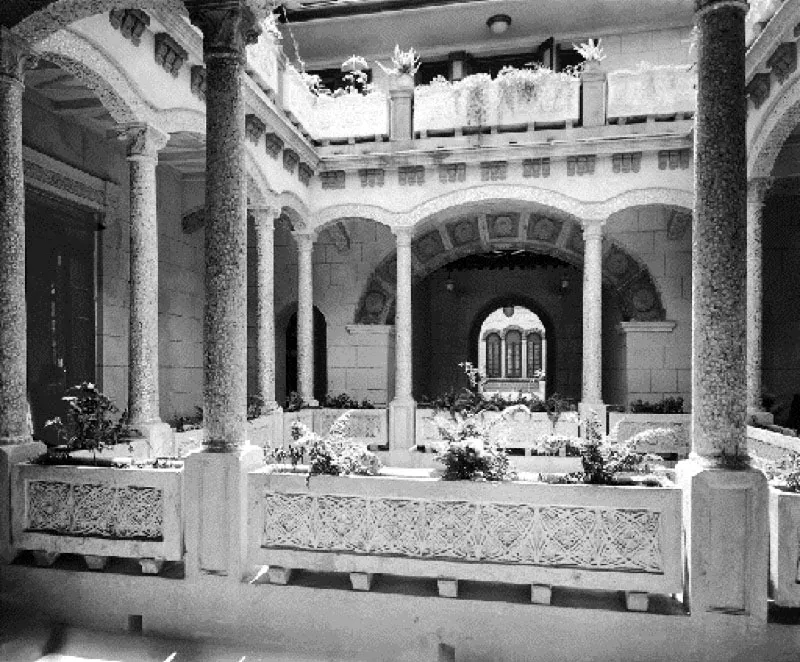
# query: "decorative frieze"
{"type": "Point", "coordinates": [290, 160]}
{"type": "Point", "coordinates": [452, 172]}
{"type": "Point", "coordinates": [492, 171]}
{"type": "Point", "coordinates": [536, 167]}
{"type": "Point", "coordinates": [672, 159]}
{"type": "Point", "coordinates": [371, 177]}
{"type": "Point", "coordinates": [169, 53]}
{"type": "Point", "coordinates": [198, 81]}
{"type": "Point", "coordinates": [411, 175]}
{"type": "Point", "coordinates": [463, 231]}
{"type": "Point", "coordinates": [429, 246]}
{"type": "Point", "coordinates": [783, 61]}
{"type": "Point", "coordinates": [254, 127]}
{"type": "Point", "coordinates": [758, 89]}
{"type": "Point", "coordinates": [581, 165]}
{"type": "Point", "coordinates": [274, 145]}
{"type": "Point", "coordinates": [625, 163]}
{"type": "Point", "coordinates": [503, 226]}
{"type": "Point", "coordinates": [130, 22]}
{"type": "Point", "coordinates": [304, 173]}
{"type": "Point", "coordinates": [332, 179]}
{"type": "Point", "coordinates": [542, 228]}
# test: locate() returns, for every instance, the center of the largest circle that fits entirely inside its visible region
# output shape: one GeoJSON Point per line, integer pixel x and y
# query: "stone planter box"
{"type": "Point", "coordinates": [784, 547]}
{"type": "Point", "coordinates": [368, 426]}
{"type": "Point", "coordinates": [657, 90]}
{"type": "Point", "coordinates": [407, 523]}
{"type": "Point", "coordinates": [98, 512]}
{"type": "Point", "coordinates": [769, 445]}
{"type": "Point", "coordinates": [631, 424]}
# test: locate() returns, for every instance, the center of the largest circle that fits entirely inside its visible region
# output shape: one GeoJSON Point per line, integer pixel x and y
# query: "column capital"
{"type": "Point", "coordinates": [704, 6]}
{"type": "Point", "coordinates": [227, 26]}
{"type": "Point", "coordinates": [15, 56]}
{"type": "Point", "coordinates": [757, 189]}
{"type": "Point", "coordinates": [404, 233]}
{"type": "Point", "coordinates": [264, 214]}
{"type": "Point", "coordinates": [305, 240]}
{"type": "Point", "coordinates": [143, 141]}
{"type": "Point", "coordinates": [592, 228]}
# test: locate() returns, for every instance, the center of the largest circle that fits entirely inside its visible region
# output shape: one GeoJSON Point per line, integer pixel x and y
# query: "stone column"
{"type": "Point", "coordinates": [402, 409]}
{"type": "Point", "coordinates": [16, 444]}
{"type": "Point", "coordinates": [592, 379]}
{"type": "Point", "coordinates": [725, 513]}
{"type": "Point", "coordinates": [756, 192]}
{"type": "Point", "coordinates": [143, 144]}
{"type": "Point", "coordinates": [305, 318]}
{"type": "Point", "coordinates": [269, 429]}
{"type": "Point", "coordinates": [216, 478]}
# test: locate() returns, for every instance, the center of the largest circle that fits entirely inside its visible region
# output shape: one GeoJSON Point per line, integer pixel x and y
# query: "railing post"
{"type": "Point", "coordinates": [593, 83]}
{"type": "Point", "coordinates": [401, 94]}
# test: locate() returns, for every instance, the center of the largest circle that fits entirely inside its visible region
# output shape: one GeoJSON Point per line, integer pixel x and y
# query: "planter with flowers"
{"type": "Point", "coordinates": [784, 529]}
{"type": "Point", "coordinates": [469, 521]}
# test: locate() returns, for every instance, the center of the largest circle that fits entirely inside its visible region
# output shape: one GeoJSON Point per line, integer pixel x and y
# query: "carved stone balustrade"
{"type": "Point", "coordinates": [651, 91]}
{"type": "Point", "coordinates": [351, 116]}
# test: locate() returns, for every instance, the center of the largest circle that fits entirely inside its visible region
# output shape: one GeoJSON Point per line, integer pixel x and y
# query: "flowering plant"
{"type": "Point", "coordinates": [784, 473]}
{"type": "Point", "coordinates": [403, 62]}
{"type": "Point", "coordinates": [467, 453]}
{"type": "Point", "coordinates": [591, 51]}
{"type": "Point", "coordinates": [336, 454]}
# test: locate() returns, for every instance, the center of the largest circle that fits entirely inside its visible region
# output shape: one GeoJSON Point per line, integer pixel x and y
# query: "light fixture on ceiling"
{"type": "Point", "coordinates": [499, 23]}
{"type": "Point", "coordinates": [449, 284]}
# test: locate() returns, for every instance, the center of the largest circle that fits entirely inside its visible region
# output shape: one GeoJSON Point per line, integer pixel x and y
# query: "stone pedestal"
{"type": "Point", "coordinates": [402, 424]}
{"type": "Point", "coordinates": [592, 377]}
{"type": "Point", "coordinates": [401, 94]}
{"type": "Point", "coordinates": [9, 456]}
{"type": "Point", "coordinates": [593, 83]}
{"type": "Point", "coordinates": [216, 511]}
{"type": "Point", "coordinates": [727, 533]}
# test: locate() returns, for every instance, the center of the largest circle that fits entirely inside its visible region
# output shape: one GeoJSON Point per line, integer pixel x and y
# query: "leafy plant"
{"type": "Point", "coordinates": [344, 401]}
{"type": "Point", "coordinates": [784, 473]}
{"type": "Point", "coordinates": [591, 51]}
{"type": "Point", "coordinates": [467, 452]}
{"type": "Point", "coordinates": [294, 402]}
{"type": "Point", "coordinates": [255, 407]}
{"type": "Point", "coordinates": [666, 406]}
{"type": "Point", "coordinates": [403, 62]}
{"type": "Point", "coordinates": [90, 423]}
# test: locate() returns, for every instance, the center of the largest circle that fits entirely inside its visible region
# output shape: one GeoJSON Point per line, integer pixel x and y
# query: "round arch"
{"type": "Point", "coordinates": [780, 118]}
{"type": "Point", "coordinates": [473, 337]}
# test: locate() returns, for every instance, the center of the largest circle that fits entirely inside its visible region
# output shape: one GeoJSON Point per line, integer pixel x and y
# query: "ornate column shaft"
{"type": "Point", "coordinates": [227, 26]}
{"type": "Point", "coordinates": [718, 242]}
{"type": "Point", "coordinates": [143, 145]}
{"type": "Point", "coordinates": [592, 313]}
{"type": "Point", "coordinates": [402, 321]}
{"type": "Point", "coordinates": [756, 192]}
{"type": "Point", "coordinates": [305, 318]}
{"type": "Point", "coordinates": [265, 307]}
{"type": "Point", "coordinates": [15, 57]}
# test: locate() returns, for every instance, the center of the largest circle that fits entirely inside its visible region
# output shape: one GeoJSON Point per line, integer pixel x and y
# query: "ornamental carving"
{"type": "Point", "coordinates": [254, 127]}
{"type": "Point", "coordinates": [273, 144]}
{"type": "Point", "coordinates": [617, 263]}
{"type": "Point", "coordinates": [226, 31]}
{"type": "Point", "coordinates": [290, 160]}
{"type": "Point", "coordinates": [536, 167]}
{"type": "Point", "coordinates": [429, 246]}
{"type": "Point", "coordinates": [678, 223]}
{"type": "Point", "coordinates": [625, 163]}
{"type": "Point", "coordinates": [130, 22]}
{"type": "Point", "coordinates": [463, 231]}
{"type": "Point", "coordinates": [575, 242]}
{"type": "Point", "coordinates": [581, 165]}
{"type": "Point", "coordinates": [332, 179]}
{"type": "Point", "coordinates": [143, 140]}
{"type": "Point", "coordinates": [15, 56]}
{"type": "Point", "coordinates": [361, 425]}
{"type": "Point", "coordinates": [542, 228]}
{"type": "Point", "coordinates": [783, 61]}
{"type": "Point", "coordinates": [503, 226]}
{"type": "Point", "coordinates": [672, 159]}
{"type": "Point", "coordinates": [452, 172]}
{"type": "Point", "coordinates": [305, 173]}
{"type": "Point", "coordinates": [198, 82]}
{"type": "Point", "coordinates": [371, 177]}
{"type": "Point", "coordinates": [641, 302]}
{"type": "Point", "coordinates": [492, 171]}
{"type": "Point", "coordinates": [758, 89]}
{"type": "Point", "coordinates": [95, 510]}
{"type": "Point", "coordinates": [591, 538]}
{"type": "Point", "coordinates": [169, 54]}
{"type": "Point", "coordinates": [411, 175]}
{"type": "Point", "coordinates": [339, 236]}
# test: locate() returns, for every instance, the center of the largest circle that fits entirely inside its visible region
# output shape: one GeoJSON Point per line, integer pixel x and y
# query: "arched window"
{"type": "Point", "coordinates": [513, 354]}
{"type": "Point", "coordinates": [534, 354]}
{"type": "Point", "coordinates": [493, 355]}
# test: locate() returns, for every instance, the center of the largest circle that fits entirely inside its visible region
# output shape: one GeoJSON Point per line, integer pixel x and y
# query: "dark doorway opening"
{"type": "Point", "coordinates": [320, 355]}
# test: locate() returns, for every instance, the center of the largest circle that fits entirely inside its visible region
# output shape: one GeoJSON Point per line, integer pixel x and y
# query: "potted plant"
{"type": "Point", "coordinates": [592, 54]}
{"type": "Point", "coordinates": [404, 65]}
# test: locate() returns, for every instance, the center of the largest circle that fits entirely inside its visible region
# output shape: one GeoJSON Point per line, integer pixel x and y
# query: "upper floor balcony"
{"type": "Point", "coordinates": [516, 107]}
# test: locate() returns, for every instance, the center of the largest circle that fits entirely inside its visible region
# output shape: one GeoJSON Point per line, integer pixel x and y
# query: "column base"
{"type": "Point", "coordinates": [402, 423]}
{"type": "Point", "coordinates": [266, 430]}
{"type": "Point", "coordinates": [755, 417]}
{"type": "Point", "coordinates": [216, 511]}
{"type": "Point", "coordinates": [158, 436]}
{"type": "Point", "coordinates": [727, 534]}
{"type": "Point", "coordinates": [9, 456]}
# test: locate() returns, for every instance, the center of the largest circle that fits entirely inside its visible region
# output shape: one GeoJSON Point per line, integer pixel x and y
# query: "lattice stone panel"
{"type": "Point", "coordinates": [95, 510]}
{"type": "Point", "coordinates": [618, 539]}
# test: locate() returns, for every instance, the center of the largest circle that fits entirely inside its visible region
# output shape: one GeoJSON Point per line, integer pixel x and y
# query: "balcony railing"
{"type": "Point", "coordinates": [651, 92]}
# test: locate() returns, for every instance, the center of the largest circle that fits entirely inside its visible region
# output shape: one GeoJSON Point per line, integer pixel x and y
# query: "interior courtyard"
{"type": "Point", "coordinates": [229, 216]}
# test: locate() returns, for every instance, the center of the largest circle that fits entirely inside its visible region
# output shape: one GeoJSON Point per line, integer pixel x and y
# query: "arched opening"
{"type": "Point", "coordinates": [320, 354]}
